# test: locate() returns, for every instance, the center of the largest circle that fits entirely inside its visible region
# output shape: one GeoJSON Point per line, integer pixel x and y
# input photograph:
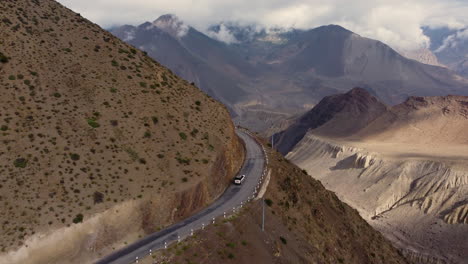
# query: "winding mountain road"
{"type": "Point", "coordinates": [234, 195]}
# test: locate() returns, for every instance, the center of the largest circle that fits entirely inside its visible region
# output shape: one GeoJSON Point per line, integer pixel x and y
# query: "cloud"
{"type": "Point", "coordinates": [223, 34]}
{"type": "Point", "coordinates": [397, 22]}
{"type": "Point", "coordinates": [454, 40]}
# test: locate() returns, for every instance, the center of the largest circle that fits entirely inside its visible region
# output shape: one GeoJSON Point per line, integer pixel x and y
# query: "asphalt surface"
{"type": "Point", "coordinates": [233, 196]}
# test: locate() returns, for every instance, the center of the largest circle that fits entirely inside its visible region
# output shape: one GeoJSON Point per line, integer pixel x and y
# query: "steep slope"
{"type": "Point", "coordinates": [405, 172]}
{"type": "Point", "coordinates": [423, 55]}
{"type": "Point", "coordinates": [286, 72]}
{"type": "Point", "coordinates": [335, 115]}
{"type": "Point", "coordinates": [304, 223]}
{"type": "Point", "coordinates": [100, 144]}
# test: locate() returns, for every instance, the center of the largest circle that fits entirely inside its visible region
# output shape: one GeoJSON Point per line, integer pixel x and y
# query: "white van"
{"type": "Point", "coordinates": [239, 179]}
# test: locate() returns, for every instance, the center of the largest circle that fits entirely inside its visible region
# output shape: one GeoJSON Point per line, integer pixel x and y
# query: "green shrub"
{"type": "Point", "coordinates": [98, 197]}
{"type": "Point", "coordinates": [12, 77]}
{"type": "Point", "coordinates": [283, 240]}
{"type": "Point", "coordinates": [20, 163]}
{"type": "Point", "coordinates": [198, 103]}
{"type": "Point", "coordinates": [194, 132]}
{"type": "Point", "coordinates": [58, 95]}
{"type": "Point", "coordinates": [114, 63]}
{"type": "Point", "coordinates": [74, 156]}
{"type": "Point", "coordinates": [155, 120]}
{"type": "Point", "coordinates": [93, 123]}
{"type": "Point", "coordinates": [78, 219]}
{"type": "Point", "coordinates": [113, 90]}
{"type": "Point", "coordinates": [183, 135]}
{"type": "Point", "coordinates": [185, 161]}
{"type": "Point", "coordinates": [4, 128]}
{"type": "Point", "coordinates": [231, 245]}
{"type": "Point", "coordinates": [133, 154]}
{"type": "Point", "coordinates": [3, 58]}
{"type": "Point", "coordinates": [269, 202]}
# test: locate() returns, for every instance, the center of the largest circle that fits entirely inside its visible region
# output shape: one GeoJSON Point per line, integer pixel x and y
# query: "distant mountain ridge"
{"type": "Point", "coordinates": [286, 71]}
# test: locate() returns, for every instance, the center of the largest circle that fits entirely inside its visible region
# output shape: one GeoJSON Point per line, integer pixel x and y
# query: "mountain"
{"type": "Point", "coordinates": [450, 46]}
{"type": "Point", "coordinates": [192, 55]}
{"type": "Point", "coordinates": [259, 72]}
{"type": "Point", "coordinates": [402, 167]}
{"type": "Point", "coordinates": [100, 144]}
{"type": "Point", "coordinates": [336, 115]}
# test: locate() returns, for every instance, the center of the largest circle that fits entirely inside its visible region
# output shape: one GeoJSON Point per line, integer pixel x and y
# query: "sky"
{"type": "Point", "coordinates": [394, 22]}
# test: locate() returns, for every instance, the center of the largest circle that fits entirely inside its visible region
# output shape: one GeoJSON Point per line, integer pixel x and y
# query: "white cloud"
{"type": "Point", "coordinates": [173, 25]}
{"type": "Point", "coordinates": [395, 22]}
{"type": "Point", "coordinates": [453, 40]}
{"type": "Point", "coordinates": [223, 35]}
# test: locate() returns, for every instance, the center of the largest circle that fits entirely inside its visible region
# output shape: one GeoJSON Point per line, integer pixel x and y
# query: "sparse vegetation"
{"type": "Point", "coordinates": [93, 122]}
{"type": "Point", "coordinates": [98, 197]}
{"type": "Point", "coordinates": [78, 218]}
{"type": "Point", "coordinates": [3, 58]}
{"type": "Point", "coordinates": [20, 163]}
{"type": "Point", "coordinates": [74, 156]}
{"type": "Point", "coordinates": [183, 135]}
{"type": "Point", "coordinates": [283, 240]}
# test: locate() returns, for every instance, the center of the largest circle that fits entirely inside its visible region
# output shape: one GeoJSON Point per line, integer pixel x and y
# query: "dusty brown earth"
{"type": "Point", "coordinates": [305, 223]}
{"type": "Point", "coordinates": [405, 171]}
{"type": "Point", "coordinates": [100, 144]}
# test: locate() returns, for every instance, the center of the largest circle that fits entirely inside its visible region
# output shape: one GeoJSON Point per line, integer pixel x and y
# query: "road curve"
{"type": "Point", "coordinates": [233, 196]}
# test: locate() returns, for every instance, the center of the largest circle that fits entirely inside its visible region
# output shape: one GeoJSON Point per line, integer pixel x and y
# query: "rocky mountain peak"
{"type": "Point", "coordinates": [335, 115]}
{"type": "Point", "coordinates": [172, 25]}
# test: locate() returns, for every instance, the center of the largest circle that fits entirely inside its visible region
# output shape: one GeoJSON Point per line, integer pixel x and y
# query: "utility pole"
{"type": "Point", "coordinates": [263, 214]}
{"type": "Point", "coordinates": [273, 141]}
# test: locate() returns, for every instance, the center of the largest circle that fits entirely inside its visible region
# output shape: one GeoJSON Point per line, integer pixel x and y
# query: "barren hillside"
{"type": "Point", "coordinates": [406, 172]}
{"type": "Point", "coordinates": [100, 144]}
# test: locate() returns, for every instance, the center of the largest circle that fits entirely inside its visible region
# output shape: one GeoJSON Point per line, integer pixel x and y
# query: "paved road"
{"type": "Point", "coordinates": [232, 197]}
